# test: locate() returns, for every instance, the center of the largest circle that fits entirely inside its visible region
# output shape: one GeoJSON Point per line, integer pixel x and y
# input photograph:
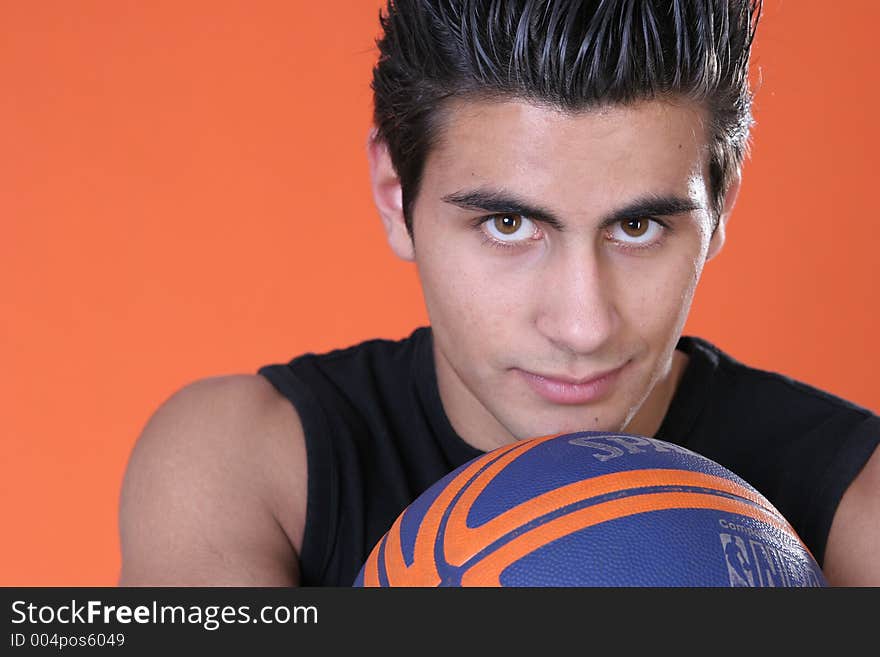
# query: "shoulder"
{"type": "Point", "coordinates": [851, 557]}
{"type": "Point", "coordinates": [215, 488]}
{"type": "Point", "coordinates": [728, 381]}
{"type": "Point", "coordinates": [372, 354]}
{"type": "Point", "coordinates": [352, 385]}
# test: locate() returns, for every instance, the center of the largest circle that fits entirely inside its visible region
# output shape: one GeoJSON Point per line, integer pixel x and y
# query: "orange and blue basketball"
{"type": "Point", "coordinates": [591, 509]}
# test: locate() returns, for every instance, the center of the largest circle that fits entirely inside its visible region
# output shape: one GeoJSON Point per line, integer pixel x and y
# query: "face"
{"type": "Point", "coordinates": [558, 255]}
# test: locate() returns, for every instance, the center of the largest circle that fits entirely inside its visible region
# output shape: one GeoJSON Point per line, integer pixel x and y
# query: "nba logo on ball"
{"type": "Point", "coordinates": [591, 509]}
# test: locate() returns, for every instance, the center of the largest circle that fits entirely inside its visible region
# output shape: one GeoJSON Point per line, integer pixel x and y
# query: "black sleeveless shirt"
{"type": "Point", "coordinates": [377, 436]}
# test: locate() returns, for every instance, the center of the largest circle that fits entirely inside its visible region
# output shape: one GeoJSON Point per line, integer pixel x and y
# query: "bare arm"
{"type": "Point", "coordinates": [851, 556]}
{"type": "Point", "coordinates": [215, 490]}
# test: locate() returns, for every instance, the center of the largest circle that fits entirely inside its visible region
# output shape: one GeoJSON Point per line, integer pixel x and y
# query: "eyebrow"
{"type": "Point", "coordinates": [504, 202]}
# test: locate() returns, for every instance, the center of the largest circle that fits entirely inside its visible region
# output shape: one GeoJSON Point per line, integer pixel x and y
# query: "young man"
{"type": "Point", "coordinates": [559, 172]}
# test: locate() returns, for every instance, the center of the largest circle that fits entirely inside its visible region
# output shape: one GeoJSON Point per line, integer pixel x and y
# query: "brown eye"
{"type": "Point", "coordinates": [638, 232]}
{"type": "Point", "coordinates": [635, 227]}
{"type": "Point", "coordinates": [509, 230]}
{"type": "Point", "coordinates": [507, 224]}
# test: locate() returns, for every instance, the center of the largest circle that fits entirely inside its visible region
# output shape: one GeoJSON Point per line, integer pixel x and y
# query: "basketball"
{"type": "Point", "coordinates": [591, 509]}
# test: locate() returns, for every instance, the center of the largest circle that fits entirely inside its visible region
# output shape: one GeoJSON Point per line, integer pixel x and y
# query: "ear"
{"type": "Point", "coordinates": [718, 236]}
{"type": "Point", "coordinates": [388, 197]}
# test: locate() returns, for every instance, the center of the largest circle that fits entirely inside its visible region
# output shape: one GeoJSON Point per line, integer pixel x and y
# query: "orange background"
{"type": "Point", "coordinates": [184, 193]}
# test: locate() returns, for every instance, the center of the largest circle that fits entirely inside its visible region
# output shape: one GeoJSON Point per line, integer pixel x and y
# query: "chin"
{"type": "Point", "coordinates": [607, 422]}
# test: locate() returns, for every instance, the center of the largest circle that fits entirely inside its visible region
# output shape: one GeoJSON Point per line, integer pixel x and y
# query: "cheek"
{"type": "Point", "coordinates": [467, 292]}
{"type": "Point", "coordinates": [661, 302]}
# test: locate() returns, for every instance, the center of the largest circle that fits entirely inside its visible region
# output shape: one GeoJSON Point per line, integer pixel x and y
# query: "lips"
{"type": "Point", "coordinates": [566, 390]}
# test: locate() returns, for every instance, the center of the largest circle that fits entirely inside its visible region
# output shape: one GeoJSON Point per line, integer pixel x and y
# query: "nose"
{"type": "Point", "coordinates": [576, 311]}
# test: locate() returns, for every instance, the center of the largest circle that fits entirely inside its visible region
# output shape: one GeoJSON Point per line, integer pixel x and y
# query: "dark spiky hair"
{"type": "Point", "coordinates": [573, 55]}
